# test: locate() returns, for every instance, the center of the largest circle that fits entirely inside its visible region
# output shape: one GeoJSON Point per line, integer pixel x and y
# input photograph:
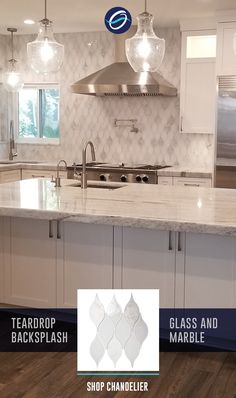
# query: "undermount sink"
{"type": "Point", "coordinates": [98, 185]}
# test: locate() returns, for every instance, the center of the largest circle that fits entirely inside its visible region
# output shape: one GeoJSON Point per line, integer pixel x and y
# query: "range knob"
{"type": "Point", "coordinates": [103, 177]}
{"type": "Point", "coordinates": [145, 179]}
{"type": "Point", "coordinates": [138, 178]}
{"type": "Point", "coordinates": [124, 178]}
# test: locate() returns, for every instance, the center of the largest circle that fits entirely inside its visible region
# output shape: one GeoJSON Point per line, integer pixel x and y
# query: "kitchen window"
{"type": "Point", "coordinates": [39, 114]}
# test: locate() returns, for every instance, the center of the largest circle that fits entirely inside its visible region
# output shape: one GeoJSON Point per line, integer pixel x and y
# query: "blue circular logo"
{"type": "Point", "coordinates": [118, 20]}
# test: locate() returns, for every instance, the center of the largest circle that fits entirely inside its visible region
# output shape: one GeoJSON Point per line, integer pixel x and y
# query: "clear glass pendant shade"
{"type": "Point", "coordinates": [145, 51]}
{"type": "Point", "coordinates": [12, 79]}
{"type": "Point", "coordinates": [45, 54]}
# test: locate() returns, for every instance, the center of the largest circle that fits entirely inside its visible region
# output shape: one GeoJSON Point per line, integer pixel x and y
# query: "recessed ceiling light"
{"type": "Point", "coordinates": [29, 22]}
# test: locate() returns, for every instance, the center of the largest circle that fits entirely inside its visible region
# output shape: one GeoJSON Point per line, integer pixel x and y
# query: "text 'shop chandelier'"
{"type": "Point", "coordinates": [12, 78]}
{"type": "Point", "coordinates": [145, 51]}
{"type": "Point", "coordinates": [45, 54]}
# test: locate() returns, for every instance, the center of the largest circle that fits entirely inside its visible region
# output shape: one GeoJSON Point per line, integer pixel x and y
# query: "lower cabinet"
{"type": "Point", "coordinates": [147, 262]}
{"type": "Point", "coordinates": [30, 263]}
{"type": "Point", "coordinates": [210, 271]}
{"type": "Point", "coordinates": [85, 260]}
{"type": "Point", "coordinates": [42, 263]}
{"type": "Point", "coordinates": [10, 176]}
{"type": "Point", "coordinates": [185, 182]}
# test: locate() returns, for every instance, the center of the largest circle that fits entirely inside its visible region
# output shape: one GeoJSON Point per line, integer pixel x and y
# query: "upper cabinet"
{"type": "Point", "coordinates": [198, 82]}
{"type": "Point", "coordinates": [226, 56]}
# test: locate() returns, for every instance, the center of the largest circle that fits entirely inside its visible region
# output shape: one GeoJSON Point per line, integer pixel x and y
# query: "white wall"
{"type": "Point", "coordinates": [84, 117]}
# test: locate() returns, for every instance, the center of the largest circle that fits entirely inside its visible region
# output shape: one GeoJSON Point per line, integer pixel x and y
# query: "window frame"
{"type": "Point", "coordinates": [36, 140]}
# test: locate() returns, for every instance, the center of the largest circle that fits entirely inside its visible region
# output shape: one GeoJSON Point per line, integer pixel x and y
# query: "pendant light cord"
{"type": "Point", "coordinates": [46, 9]}
{"type": "Point", "coordinates": [145, 5]}
{"type": "Point", "coordinates": [12, 46]}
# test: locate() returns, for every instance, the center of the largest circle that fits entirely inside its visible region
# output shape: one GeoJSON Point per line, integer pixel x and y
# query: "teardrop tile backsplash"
{"type": "Point", "coordinates": [117, 331]}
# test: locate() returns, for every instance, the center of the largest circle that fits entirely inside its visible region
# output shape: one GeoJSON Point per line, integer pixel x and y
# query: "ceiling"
{"type": "Point", "coordinates": [88, 15]}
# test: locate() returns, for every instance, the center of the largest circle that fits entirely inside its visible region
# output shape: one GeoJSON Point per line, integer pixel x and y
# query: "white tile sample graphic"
{"type": "Point", "coordinates": [116, 331]}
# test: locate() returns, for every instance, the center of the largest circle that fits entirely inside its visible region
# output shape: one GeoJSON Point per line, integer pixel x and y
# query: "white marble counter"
{"type": "Point", "coordinates": [206, 210]}
{"type": "Point", "coordinates": [185, 171]}
{"type": "Point", "coordinates": [6, 165]}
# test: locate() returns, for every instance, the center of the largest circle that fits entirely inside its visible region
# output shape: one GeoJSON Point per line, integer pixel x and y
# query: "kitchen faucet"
{"type": "Point", "coordinates": [57, 180]}
{"type": "Point", "coordinates": [84, 173]}
{"type": "Point", "coordinates": [12, 149]}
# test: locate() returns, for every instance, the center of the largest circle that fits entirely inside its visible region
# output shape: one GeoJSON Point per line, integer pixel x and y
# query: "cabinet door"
{"type": "Point", "coordinates": [226, 60]}
{"type": "Point", "coordinates": [192, 182]}
{"type": "Point", "coordinates": [198, 82]}
{"type": "Point", "coordinates": [27, 174]}
{"type": "Point", "coordinates": [147, 262]}
{"type": "Point", "coordinates": [29, 263]}
{"type": "Point", "coordinates": [10, 176]}
{"type": "Point", "coordinates": [210, 271]}
{"type": "Point", "coordinates": [165, 180]}
{"type": "Point", "coordinates": [85, 260]}
{"type": "Point", "coordinates": [198, 97]}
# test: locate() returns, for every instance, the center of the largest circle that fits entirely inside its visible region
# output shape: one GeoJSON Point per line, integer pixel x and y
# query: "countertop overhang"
{"type": "Point", "coordinates": [200, 210]}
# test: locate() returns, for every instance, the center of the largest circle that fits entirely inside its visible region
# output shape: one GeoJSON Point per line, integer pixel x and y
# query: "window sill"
{"type": "Point", "coordinates": [38, 141]}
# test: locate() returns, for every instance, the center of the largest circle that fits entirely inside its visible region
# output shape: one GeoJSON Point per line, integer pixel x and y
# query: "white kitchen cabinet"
{"type": "Point", "coordinates": [162, 180]}
{"type": "Point", "coordinates": [198, 82]}
{"type": "Point", "coordinates": [210, 271]}
{"type": "Point", "coordinates": [85, 260]}
{"type": "Point", "coordinates": [26, 174]}
{"type": "Point", "coordinates": [29, 263]}
{"type": "Point", "coordinates": [185, 181]}
{"type": "Point", "coordinates": [147, 261]}
{"type": "Point", "coordinates": [192, 182]}
{"type": "Point", "coordinates": [10, 176]}
{"type": "Point", "coordinates": [226, 56]}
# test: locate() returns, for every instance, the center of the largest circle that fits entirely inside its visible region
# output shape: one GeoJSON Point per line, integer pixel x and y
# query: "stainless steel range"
{"type": "Point", "coordinates": [133, 173]}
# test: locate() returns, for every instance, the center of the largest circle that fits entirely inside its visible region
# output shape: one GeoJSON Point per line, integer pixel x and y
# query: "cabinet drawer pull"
{"type": "Point", "coordinates": [50, 234]}
{"type": "Point", "coordinates": [191, 185]}
{"type": "Point", "coordinates": [179, 242]}
{"type": "Point", "coordinates": [181, 124]}
{"type": "Point", "coordinates": [170, 248]}
{"type": "Point", "coordinates": [58, 230]}
{"type": "Point", "coordinates": [34, 176]}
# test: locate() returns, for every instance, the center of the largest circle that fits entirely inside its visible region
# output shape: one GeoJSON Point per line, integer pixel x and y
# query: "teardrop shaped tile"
{"type": "Point", "coordinates": [140, 330]}
{"type": "Point", "coordinates": [106, 330]}
{"type": "Point", "coordinates": [114, 350]}
{"type": "Point", "coordinates": [132, 349]}
{"type": "Point", "coordinates": [132, 312]}
{"type": "Point", "coordinates": [97, 350]}
{"type": "Point", "coordinates": [114, 311]}
{"type": "Point", "coordinates": [97, 311]}
{"type": "Point", "coordinates": [123, 330]}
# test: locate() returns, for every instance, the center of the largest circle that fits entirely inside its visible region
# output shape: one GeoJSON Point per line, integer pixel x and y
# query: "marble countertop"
{"type": "Point", "coordinates": [16, 165]}
{"type": "Point", "coordinates": [185, 171]}
{"type": "Point", "coordinates": [174, 171]}
{"type": "Point", "coordinates": [202, 210]}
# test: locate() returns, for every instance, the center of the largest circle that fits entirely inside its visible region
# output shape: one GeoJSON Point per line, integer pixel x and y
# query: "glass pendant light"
{"type": "Point", "coordinates": [12, 79]}
{"type": "Point", "coordinates": [45, 54]}
{"type": "Point", "coordinates": [145, 51]}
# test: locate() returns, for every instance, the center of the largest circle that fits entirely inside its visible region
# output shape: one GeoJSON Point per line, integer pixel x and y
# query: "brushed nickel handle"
{"type": "Point", "coordinates": [181, 123]}
{"type": "Point", "coordinates": [50, 233]}
{"type": "Point", "coordinates": [58, 230]}
{"type": "Point", "coordinates": [179, 242]}
{"type": "Point", "coordinates": [191, 185]}
{"type": "Point", "coordinates": [170, 247]}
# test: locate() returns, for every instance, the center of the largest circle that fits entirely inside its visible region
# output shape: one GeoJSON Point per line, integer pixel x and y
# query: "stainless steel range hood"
{"type": "Point", "coordinates": [119, 79]}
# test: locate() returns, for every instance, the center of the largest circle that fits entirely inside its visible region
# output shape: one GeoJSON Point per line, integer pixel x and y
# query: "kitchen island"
{"type": "Point", "coordinates": [55, 240]}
